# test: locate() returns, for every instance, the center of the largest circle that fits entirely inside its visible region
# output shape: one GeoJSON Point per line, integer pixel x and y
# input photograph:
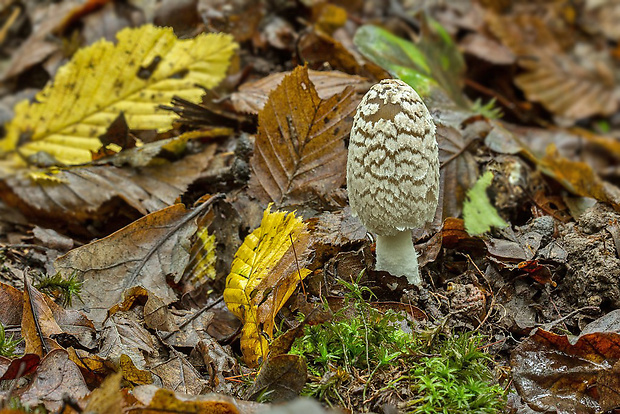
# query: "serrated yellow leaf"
{"type": "Point", "coordinates": [262, 278]}
{"type": "Point", "coordinates": [202, 260]}
{"type": "Point", "coordinates": [145, 69]}
{"type": "Point", "coordinates": [46, 177]}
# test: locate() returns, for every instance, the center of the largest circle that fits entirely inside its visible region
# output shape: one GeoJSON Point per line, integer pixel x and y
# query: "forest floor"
{"type": "Point", "coordinates": [175, 225]}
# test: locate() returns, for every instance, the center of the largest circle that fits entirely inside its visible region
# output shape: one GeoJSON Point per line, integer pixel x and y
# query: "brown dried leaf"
{"type": "Point", "coordinates": [553, 373]}
{"type": "Point", "coordinates": [79, 194]}
{"type": "Point", "coordinates": [252, 96]}
{"type": "Point", "coordinates": [143, 253]}
{"type": "Point", "coordinates": [178, 374]}
{"type": "Point", "coordinates": [282, 376]}
{"type": "Point", "coordinates": [107, 398]}
{"type": "Point", "coordinates": [11, 302]}
{"type": "Point", "coordinates": [133, 374]}
{"type": "Point", "coordinates": [124, 336]}
{"type": "Point", "coordinates": [38, 322]}
{"type": "Point", "coordinates": [156, 400]}
{"type": "Point", "coordinates": [454, 236]}
{"type": "Point", "coordinates": [575, 85]}
{"type": "Point", "coordinates": [299, 152]}
{"type": "Point", "coordinates": [459, 170]}
{"type": "Point", "coordinates": [40, 43]}
{"type": "Point", "coordinates": [579, 178]}
{"type": "Point", "coordinates": [57, 375]}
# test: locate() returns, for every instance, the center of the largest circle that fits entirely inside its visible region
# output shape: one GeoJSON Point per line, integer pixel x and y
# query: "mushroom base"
{"type": "Point", "coordinates": [396, 255]}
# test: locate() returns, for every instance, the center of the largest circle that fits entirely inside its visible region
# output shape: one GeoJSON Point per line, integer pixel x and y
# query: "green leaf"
{"type": "Point", "coordinates": [396, 55]}
{"type": "Point", "coordinates": [478, 212]}
{"type": "Point", "coordinates": [145, 69]}
{"type": "Point", "coordinates": [433, 65]}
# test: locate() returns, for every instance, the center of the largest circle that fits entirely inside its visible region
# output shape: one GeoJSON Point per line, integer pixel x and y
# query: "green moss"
{"type": "Point", "coordinates": [441, 374]}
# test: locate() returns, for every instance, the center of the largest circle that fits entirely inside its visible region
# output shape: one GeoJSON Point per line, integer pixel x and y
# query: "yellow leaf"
{"type": "Point", "coordinates": [145, 69]}
{"type": "Point", "coordinates": [202, 259]}
{"type": "Point", "coordinates": [265, 272]}
{"type": "Point", "coordinates": [46, 177]}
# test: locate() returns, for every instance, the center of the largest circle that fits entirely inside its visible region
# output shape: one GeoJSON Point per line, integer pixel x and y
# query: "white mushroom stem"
{"type": "Point", "coordinates": [396, 255]}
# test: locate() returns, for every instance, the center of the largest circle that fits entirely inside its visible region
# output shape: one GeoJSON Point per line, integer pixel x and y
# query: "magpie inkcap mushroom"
{"type": "Point", "coordinates": [393, 172]}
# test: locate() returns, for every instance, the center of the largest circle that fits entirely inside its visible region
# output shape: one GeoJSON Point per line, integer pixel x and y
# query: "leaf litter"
{"type": "Point", "coordinates": [126, 213]}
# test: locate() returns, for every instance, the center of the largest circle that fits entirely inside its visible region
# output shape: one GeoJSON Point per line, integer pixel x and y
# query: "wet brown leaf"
{"type": "Point", "coordinates": [20, 367]}
{"type": "Point", "coordinates": [157, 401]}
{"type": "Point", "coordinates": [299, 153]}
{"type": "Point", "coordinates": [39, 45]}
{"type": "Point", "coordinates": [124, 336]}
{"type": "Point", "coordinates": [252, 96]}
{"type": "Point", "coordinates": [57, 375]}
{"type": "Point", "coordinates": [553, 373]}
{"type": "Point", "coordinates": [38, 322]}
{"type": "Point", "coordinates": [239, 18]}
{"type": "Point", "coordinates": [281, 378]}
{"type": "Point", "coordinates": [107, 398]}
{"type": "Point", "coordinates": [145, 253]}
{"type": "Point", "coordinates": [454, 236]}
{"type": "Point", "coordinates": [579, 178]}
{"type": "Point", "coordinates": [90, 192]}
{"type": "Point", "coordinates": [566, 83]}
{"type": "Point", "coordinates": [11, 303]}
{"type": "Point", "coordinates": [179, 375]}
{"type": "Point", "coordinates": [538, 272]}
{"type": "Point", "coordinates": [133, 374]}
{"type": "Point", "coordinates": [459, 170]}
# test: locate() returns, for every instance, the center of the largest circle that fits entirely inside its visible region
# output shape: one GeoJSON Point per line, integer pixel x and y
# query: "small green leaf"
{"type": "Point", "coordinates": [478, 213]}
{"type": "Point", "coordinates": [432, 65]}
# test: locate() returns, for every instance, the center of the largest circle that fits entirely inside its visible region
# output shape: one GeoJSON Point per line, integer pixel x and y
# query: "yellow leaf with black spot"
{"type": "Point", "coordinates": [265, 272]}
{"type": "Point", "coordinates": [144, 70]}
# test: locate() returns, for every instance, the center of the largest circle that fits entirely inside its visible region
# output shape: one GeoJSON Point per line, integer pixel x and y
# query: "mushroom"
{"type": "Point", "coordinates": [393, 172]}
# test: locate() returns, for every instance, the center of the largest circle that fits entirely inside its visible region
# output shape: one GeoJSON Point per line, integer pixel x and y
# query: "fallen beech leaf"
{"type": "Point", "coordinates": [317, 48]}
{"type": "Point", "coordinates": [579, 178]}
{"type": "Point", "coordinates": [107, 398]}
{"type": "Point", "coordinates": [56, 376]}
{"type": "Point", "coordinates": [553, 373]}
{"type": "Point", "coordinates": [263, 276]}
{"type": "Point", "coordinates": [86, 193]}
{"type": "Point", "coordinates": [144, 253]}
{"type": "Point", "coordinates": [281, 378]}
{"type": "Point", "coordinates": [11, 303]}
{"type": "Point", "coordinates": [39, 45]}
{"type": "Point", "coordinates": [124, 336]}
{"type": "Point", "coordinates": [165, 401]}
{"type": "Point", "coordinates": [179, 375]}
{"type": "Point", "coordinates": [252, 96]}
{"type": "Point", "coordinates": [38, 322]}
{"type": "Point", "coordinates": [145, 69]}
{"type": "Point", "coordinates": [132, 374]}
{"type": "Point", "coordinates": [459, 169]}
{"type": "Point", "coordinates": [299, 152]}
{"type": "Point", "coordinates": [566, 83]}
{"type": "Point", "coordinates": [94, 368]}
{"type": "Point", "coordinates": [454, 236]}
{"type": "Point", "coordinates": [201, 266]}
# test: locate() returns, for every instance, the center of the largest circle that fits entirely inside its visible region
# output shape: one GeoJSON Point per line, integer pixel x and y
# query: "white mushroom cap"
{"type": "Point", "coordinates": [393, 162]}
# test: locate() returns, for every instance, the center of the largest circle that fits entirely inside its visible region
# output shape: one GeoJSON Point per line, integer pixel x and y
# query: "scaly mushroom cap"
{"type": "Point", "coordinates": [393, 162]}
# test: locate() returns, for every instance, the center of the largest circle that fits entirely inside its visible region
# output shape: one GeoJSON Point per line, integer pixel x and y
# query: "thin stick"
{"type": "Point", "coordinates": [301, 282]}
